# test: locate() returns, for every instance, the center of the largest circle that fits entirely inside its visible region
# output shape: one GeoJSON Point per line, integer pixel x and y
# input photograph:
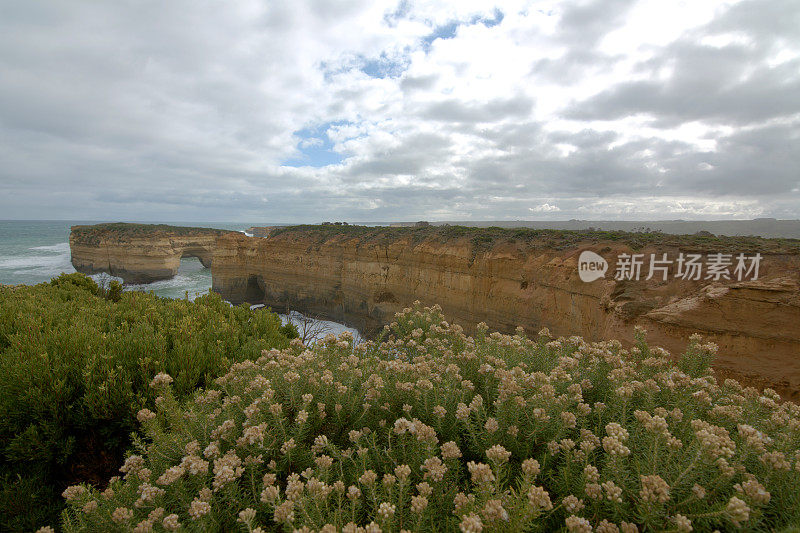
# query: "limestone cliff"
{"type": "Point", "coordinates": [139, 253]}
{"type": "Point", "coordinates": [529, 278]}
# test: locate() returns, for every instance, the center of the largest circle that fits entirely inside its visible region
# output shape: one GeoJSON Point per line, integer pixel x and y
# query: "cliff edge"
{"type": "Point", "coordinates": [139, 253]}
{"type": "Point", "coordinates": [530, 278]}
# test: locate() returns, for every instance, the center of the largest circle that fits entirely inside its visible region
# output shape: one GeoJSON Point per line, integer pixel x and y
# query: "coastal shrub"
{"type": "Point", "coordinates": [76, 280]}
{"type": "Point", "coordinates": [75, 365]}
{"type": "Point", "coordinates": [483, 238]}
{"type": "Point", "coordinates": [430, 429]}
{"type": "Point", "coordinates": [114, 291]}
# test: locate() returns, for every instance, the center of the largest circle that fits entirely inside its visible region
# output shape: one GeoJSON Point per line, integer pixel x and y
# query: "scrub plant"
{"type": "Point", "coordinates": [428, 429]}
{"type": "Point", "coordinates": [75, 366]}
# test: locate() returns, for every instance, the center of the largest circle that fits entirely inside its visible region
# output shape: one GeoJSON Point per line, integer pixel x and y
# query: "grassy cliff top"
{"type": "Point", "coordinates": [123, 230]}
{"type": "Point", "coordinates": [485, 238]}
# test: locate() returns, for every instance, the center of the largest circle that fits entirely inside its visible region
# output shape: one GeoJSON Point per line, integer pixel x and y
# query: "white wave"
{"type": "Point", "coordinates": [43, 261]}
{"type": "Point", "coordinates": [104, 279]}
{"type": "Point", "coordinates": [37, 264]}
{"type": "Point", "coordinates": [62, 247]}
{"type": "Point", "coordinates": [320, 327]}
{"type": "Point", "coordinates": [172, 283]}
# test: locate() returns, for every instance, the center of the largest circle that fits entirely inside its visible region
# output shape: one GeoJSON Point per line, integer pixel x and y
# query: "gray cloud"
{"type": "Point", "coordinates": [410, 157]}
{"type": "Point", "coordinates": [767, 21]}
{"type": "Point", "coordinates": [586, 22]}
{"type": "Point", "coordinates": [410, 83]}
{"type": "Point", "coordinates": [491, 111]}
{"type": "Point", "coordinates": [729, 85]}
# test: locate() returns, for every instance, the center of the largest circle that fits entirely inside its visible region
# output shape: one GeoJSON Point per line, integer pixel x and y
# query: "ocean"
{"type": "Point", "coordinates": [35, 251]}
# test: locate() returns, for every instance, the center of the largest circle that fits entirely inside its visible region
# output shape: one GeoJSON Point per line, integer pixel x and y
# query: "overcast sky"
{"type": "Point", "coordinates": [303, 111]}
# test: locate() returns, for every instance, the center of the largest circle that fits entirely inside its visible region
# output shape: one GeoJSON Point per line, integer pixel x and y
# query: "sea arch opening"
{"type": "Point", "coordinates": [202, 255]}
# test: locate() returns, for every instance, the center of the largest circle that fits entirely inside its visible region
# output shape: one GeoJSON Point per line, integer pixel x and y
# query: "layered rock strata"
{"type": "Point", "coordinates": [533, 282]}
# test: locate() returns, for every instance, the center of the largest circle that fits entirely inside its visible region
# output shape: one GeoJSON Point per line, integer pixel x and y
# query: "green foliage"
{"type": "Point", "coordinates": [76, 280]}
{"type": "Point", "coordinates": [75, 367]}
{"type": "Point", "coordinates": [696, 361]}
{"type": "Point", "coordinates": [114, 291]}
{"type": "Point", "coordinates": [92, 234]}
{"type": "Point", "coordinates": [431, 430]}
{"type": "Point", "coordinates": [290, 331]}
{"type": "Point", "coordinates": [484, 238]}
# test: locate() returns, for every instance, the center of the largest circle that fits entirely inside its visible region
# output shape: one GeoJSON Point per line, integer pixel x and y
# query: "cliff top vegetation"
{"type": "Point", "coordinates": [92, 234]}
{"type": "Point", "coordinates": [486, 238]}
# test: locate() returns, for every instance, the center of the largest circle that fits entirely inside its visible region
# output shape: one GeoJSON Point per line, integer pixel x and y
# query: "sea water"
{"type": "Point", "coordinates": [35, 251]}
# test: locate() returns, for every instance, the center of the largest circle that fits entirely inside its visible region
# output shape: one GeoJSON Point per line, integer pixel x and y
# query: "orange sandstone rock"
{"type": "Point", "coordinates": [363, 282]}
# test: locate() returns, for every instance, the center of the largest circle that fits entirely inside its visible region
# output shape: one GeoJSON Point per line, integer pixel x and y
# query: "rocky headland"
{"type": "Point", "coordinates": [521, 277]}
{"type": "Point", "coordinates": [139, 253]}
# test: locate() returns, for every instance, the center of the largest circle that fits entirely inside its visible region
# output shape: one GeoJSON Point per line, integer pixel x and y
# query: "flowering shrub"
{"type": "Point", "coordinates": [430, 429]}
{"type": "Point", "coordinates": [75, 369]}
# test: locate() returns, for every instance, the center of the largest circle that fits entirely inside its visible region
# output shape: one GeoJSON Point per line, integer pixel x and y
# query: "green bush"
{"type": "Point", "coordinates": [431, 430]}
{"type": "Point", "coordinates": [114, 291]}
{"type": "Point", "coordinates": [289, 330]}
{"type": "Point", "coordinates": [76, 279]}
{"type": "Point", "coordinates": [75, 365]}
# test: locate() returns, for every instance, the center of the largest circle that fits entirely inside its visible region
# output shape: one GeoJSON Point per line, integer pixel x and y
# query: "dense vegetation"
{"type": "Point", "coordinates": [432, 430]}
{"type": "Point", "coordinates": [483, 238]}
{"type": "Point", "coordinates": [75, 367]}
{"type": "Point", "coordinates": [92, 234]}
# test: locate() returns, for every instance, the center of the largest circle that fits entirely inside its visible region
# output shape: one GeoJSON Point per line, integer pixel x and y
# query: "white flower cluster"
{"type": "Point", "coordinates": [539, 498]}
{"type": "Point", "coordinates": [161, 380]}
{"type": "Point", "coordinates": [654, 489]}
{"type": "Point", "coordinates": [498, 454]}
{"type": "Point", "coordinates": [227, 469]}
{"type": "Point", "coordinates": [613, 444]}
{"type": "Point", "coordinates": [715, 440]}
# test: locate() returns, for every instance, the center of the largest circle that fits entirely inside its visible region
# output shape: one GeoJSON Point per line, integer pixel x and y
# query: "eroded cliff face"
{"type": "Point", "coordinates": [363, 282]}
{"type": "Point", "coordinates": [139, 253]}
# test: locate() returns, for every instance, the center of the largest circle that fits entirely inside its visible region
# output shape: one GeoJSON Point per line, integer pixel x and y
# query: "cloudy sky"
{"type": "Point", "coordinates": [311, 110]}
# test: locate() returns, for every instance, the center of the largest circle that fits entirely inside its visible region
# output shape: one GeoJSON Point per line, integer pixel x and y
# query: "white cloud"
{"type": "Point", "coordinates": [187, 110]}
{"type": "Point", "coordinates": [545, 208]}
